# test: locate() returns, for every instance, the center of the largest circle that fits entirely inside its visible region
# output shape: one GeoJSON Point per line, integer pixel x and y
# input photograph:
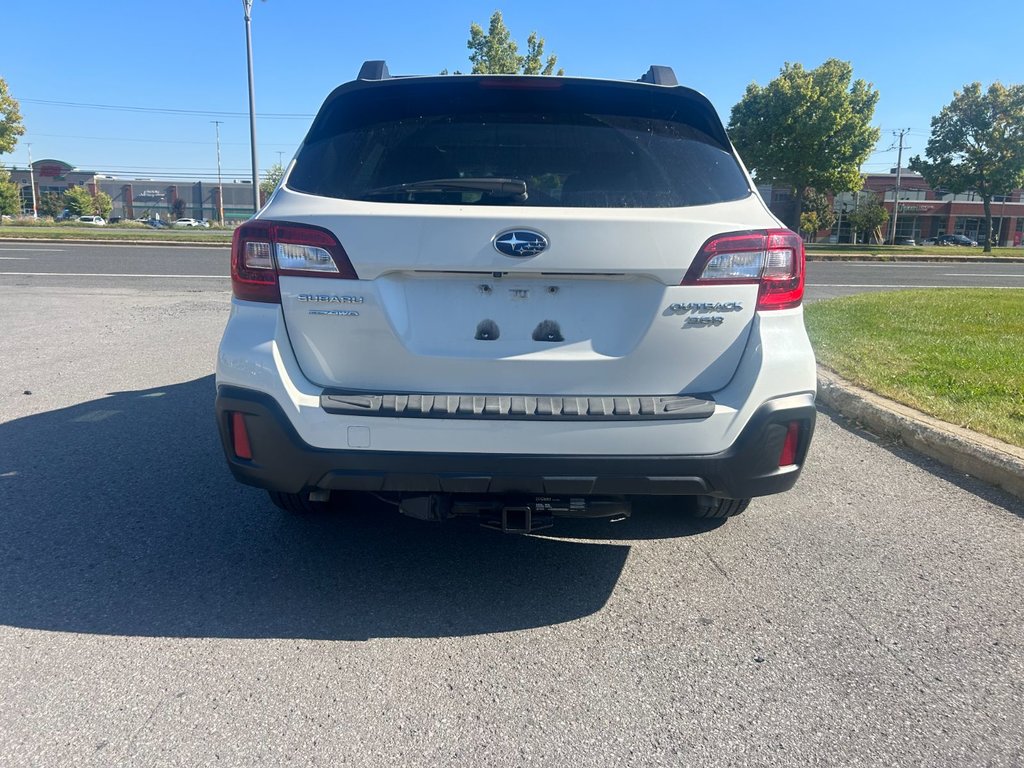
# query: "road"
{"type": "Point", "coordinates": [153, 612]}
{"type": "Point", "coordinates": [62, 264]}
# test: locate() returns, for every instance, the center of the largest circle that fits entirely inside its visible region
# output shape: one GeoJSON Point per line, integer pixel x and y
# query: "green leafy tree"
{"type": "Point", "coordinates": [178, 208]}
{"type": "Point", "coordinates": [102, 204]}
{"type": "Point", "coordinates": [50, 204]}
{"type": "Point", "coordinates": [533, 62]}
{"type": "Point", "coordinates": [10, 197]}
{"type": "Point", "coordinates": [820, 205]}
{"type": "Point", "coordinates": [807, 128]}
{"type": "Point", "coordinates": [977, 143]}
{"type": "Point", "coordinates": [868, 217]}
{"type": "Point", "coordinates": [271, 178]}
{"type": "Point", "coordinates": [809, 224]}
{"type": "Point", "coordinates": [78, 201]}
{"type": "Point", "coordinates": [10, 120]}
{"type": "Point", "coordinates": [494, 52]}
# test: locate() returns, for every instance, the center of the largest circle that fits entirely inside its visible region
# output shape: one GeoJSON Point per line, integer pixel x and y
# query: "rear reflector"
{"type": "Point", "coordinates": [240, 436]}
{"type": "Point", "coordinates": [789, 447]}
{"type": "Point", "coordinates": [261, 251]}
{"type": "Point", "coordinates": [773, 258]}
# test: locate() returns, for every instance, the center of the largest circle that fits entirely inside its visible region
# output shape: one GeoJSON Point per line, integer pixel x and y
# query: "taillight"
{"type": "Point", "coordinates": [773, 258]}
{"type": "Point", "coordinates": [261, 251]}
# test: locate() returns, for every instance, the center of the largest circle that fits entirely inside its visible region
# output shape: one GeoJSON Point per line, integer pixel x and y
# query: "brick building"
{"type": "Point", "coordinates": [135, 198]}
{"type": "Point", "coordinates": [923, 212]}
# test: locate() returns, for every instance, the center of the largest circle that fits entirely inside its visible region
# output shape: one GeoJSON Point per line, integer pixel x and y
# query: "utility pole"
{"type": "Point", "coordinates": [899, 173]}
{"type": "Point", "coordinates": [220, 185]}
{"type": "Point", "coordinates": [247, 6]}
{"type": "Point", "coordinates": [32, 181]}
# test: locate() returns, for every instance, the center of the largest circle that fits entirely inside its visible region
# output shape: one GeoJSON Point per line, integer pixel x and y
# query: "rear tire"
{"type": "Point", "coordinates": [714, 508]}
{"type": "Point", "coordinates": [299, 503]}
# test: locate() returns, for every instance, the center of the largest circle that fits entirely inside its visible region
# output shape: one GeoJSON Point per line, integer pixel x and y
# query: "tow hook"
{"type": "Point", "coordinates": [511, 513]}
{"type": "Point", "coordinates": [516, 518]}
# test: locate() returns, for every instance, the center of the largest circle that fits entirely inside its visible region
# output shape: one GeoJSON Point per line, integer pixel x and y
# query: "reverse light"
{"type": "Point", "coordinates": [262, 251]}
{"type": "Point", "coordinates": [773, 258]}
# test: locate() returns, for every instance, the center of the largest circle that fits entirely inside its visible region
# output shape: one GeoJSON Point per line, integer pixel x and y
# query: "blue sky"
{"type": "Point", "coordinates": [189, 55]}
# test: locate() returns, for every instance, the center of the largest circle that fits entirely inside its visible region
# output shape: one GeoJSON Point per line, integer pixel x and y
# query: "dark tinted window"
{"type": "Point", "coordinates": [573, 143]}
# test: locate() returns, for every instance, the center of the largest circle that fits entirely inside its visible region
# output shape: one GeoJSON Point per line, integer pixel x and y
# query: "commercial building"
{"type": "Point", "coordinates": [922, 211]}
{"type": "Point", "coordinates": [137, 198]}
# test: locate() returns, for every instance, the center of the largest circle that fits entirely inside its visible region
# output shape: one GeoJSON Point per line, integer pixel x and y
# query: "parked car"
{"type": "Point", "coordinates": [516, 297]}
{"type": "Point", "coordinates": [188, 223]}
{"type": "Point", "coordinates": [928, 241]}
{"type": "Point", "coordinates": [96, 220]}
{"type": "Point", "coordinates": [955, 240]}
{"type": "Point", "coordinates": [901, 241]}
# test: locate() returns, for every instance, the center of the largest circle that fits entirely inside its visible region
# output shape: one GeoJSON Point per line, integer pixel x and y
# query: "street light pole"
{"type": "Point", "coordinates": [247, 6]}
{"type": "Point", "coordinates": [220, 184]}
{"type": "Point", "coordinates": [32, 182]}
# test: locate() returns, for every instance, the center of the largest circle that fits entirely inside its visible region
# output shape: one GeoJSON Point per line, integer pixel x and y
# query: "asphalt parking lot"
{"type": "Point", "coordinates": [153, 612]}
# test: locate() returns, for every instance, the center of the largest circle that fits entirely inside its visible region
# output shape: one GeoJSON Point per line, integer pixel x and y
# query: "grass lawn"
{"type": "Point", "coordinates": [909, 250]}
{"type": "Point", "coordinates": [957, 355]}
{"type": "Point", "coordinates": [115, 233]}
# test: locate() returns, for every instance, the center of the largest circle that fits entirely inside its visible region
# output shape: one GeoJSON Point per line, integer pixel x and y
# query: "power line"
{"type": "Point", "coordinates": [166, 110]}
{"type": "Point", "coordinates": [126, 138]}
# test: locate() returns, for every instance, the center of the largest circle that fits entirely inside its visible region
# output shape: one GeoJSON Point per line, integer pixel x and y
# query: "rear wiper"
{"type": "Point", "coordinates": [513, 188]}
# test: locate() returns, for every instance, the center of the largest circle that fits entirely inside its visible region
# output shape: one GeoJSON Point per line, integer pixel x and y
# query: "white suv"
{"type": "Point", "coordinates": [516, 297]}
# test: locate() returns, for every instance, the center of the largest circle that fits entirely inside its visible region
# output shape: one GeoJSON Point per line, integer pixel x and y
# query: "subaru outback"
{"type": "Point", "coordinates": [516, 297]}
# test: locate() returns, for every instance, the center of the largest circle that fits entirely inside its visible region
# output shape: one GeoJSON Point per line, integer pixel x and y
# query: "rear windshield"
{"type": "Point", "coordinates": [489, 141]}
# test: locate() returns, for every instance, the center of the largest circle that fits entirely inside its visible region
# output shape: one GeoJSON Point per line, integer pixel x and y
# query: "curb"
{"type": "Point", "coordinates": [160, 243]}
{"type": "Point", "coordinates": [983, 457]}
{"type": "Point", "coordinates": [927, 258]}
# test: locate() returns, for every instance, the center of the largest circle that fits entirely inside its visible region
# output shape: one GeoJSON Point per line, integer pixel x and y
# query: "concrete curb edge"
{"type": "Point", "coordinates": [99, 241]}
{"type": "Point", "coordinates": [985, 458]}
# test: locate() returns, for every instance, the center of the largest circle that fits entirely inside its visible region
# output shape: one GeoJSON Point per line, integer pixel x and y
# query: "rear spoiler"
{"type": "Point", "coordinates": [377, 69]}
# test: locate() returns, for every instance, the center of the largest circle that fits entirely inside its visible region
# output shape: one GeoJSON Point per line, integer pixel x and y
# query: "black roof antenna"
{"type": "Point", "coordinates": [374, 70]}
{"type": "Point", "coordinates": [656, 75]}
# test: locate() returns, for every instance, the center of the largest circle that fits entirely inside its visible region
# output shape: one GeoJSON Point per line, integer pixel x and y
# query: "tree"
{"type": "Point", "coordinates": [809, 224]}
{"type": "Point", "coordinates": [10, 197]}
{"type": "Point", "coordinates": [807, 128]}
{"type": "Point", "coordinates": [10, 120]}
{"type": "Point", "coordinates": [271, 178]}
{"type": "Point", "coordinates": [495, 52]}
{"type": "Point", "coordinates": [78, 201]}
{"type": "Point", "coordinates": [977, 144]}
{"type": "Point", "coordinates": [868, 217]}
{"type": "Point", "coordinates": [50, 204]}
{"type": "Point", "coordinates": [178, 208]}
{"type": "Point", "coordinates": [102, 204]}
{"type": "Point", "coordinates": [819, 207]}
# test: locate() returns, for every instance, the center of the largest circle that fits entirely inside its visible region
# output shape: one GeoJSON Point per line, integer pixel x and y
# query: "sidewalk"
{"type": "Point", "coordinates": [983, 457]}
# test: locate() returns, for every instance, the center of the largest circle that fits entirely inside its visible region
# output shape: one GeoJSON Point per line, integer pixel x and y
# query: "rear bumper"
{"type": "Point", "coordinates": [282, 461]}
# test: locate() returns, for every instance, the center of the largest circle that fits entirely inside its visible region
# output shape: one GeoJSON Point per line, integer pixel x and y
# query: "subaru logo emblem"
{"type": "Point", "coordinates": [520, 243]}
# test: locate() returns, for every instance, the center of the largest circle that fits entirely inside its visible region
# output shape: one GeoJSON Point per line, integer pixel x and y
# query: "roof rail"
{"type": "Point", "coordinates": [374, 70]}
{"type": "Point", "coordinates": [656, 75]}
